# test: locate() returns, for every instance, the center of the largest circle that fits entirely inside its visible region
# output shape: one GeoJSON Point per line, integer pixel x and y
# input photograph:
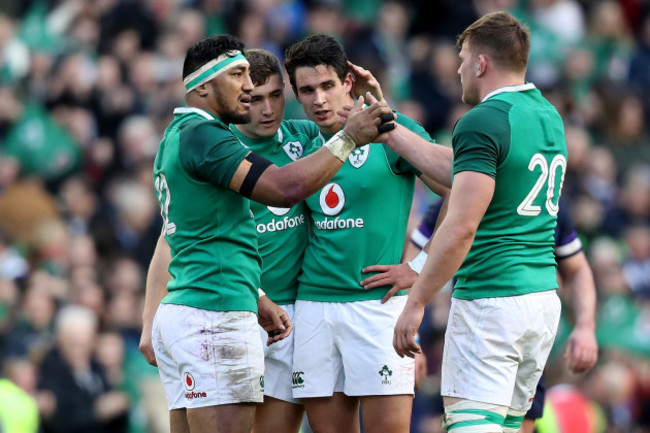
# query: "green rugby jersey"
{"type": "Point", "coordinates": [215, 264]}
{"type": "Point", "coordinates": [517, 137]}
{"type": "Point", "coordinates": [358, 219]}
{"type": "Point", "coordinates": [282, 233]}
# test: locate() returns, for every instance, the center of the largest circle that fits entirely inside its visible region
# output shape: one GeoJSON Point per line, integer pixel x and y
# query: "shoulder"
{"type": "Point", "coordinates": [307, 127]}
{"type": "Point", "coordinates": [314, 144]}
{"type": "Point", "coordinates": [414, 126]}
{"type": "Point", "coordinates": [486, 117]}
{"type": "Point", "coordinates": [198, 128]}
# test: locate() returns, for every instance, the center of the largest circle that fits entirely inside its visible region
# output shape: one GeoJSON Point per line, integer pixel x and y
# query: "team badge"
{"type": "Point", "coordinates": [359, 156]}
{"type": "Point", "coordinates": [332, 199]}
{"type": "Point", "coordinates": [294, 149]}
{"type": "Point", "coordinates": [278, 211]}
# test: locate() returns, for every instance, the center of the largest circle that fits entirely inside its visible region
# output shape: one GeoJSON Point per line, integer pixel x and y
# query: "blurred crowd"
{"type": "Point", "coordinates": [87, 88]}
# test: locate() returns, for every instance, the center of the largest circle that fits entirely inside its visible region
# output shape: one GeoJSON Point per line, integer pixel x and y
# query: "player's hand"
{"type": "Point", "coordinates": [146, 346]}
{"type": "Point", "coordinates": [420, 368]}
{"type": "Point", "coordinates": [405, 330]}
{"type": "Point", "coordinates": [399, 276]}
{"type": "Point", "coordinates": [273, 319]}
{"type": "Point", "coordinates": [363, 81]}
{"type": "Point", "coordinates": [365, 124]}
{"type": "Point", "coordinates": [582, 350]}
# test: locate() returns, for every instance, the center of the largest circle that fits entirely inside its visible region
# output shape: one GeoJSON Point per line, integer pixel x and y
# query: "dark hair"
{"type": "Point", "coordinates": [313, 51]}
{"type": "Point", "coordinates": [208, 49]}
{"type": "Point", "coordinates": [502, 37]}
{"type": "Point", "coordinates": [263, 65]}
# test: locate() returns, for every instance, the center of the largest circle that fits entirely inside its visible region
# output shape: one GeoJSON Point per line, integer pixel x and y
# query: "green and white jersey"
{"type": "Point", "coordinates": [516, 137]}
{"type": "Point", "coordinates": [282, 233]}
{"type": "Point", "coordinates": [209, 228]}
{"type": "Point", "coordinates": [358, 219]}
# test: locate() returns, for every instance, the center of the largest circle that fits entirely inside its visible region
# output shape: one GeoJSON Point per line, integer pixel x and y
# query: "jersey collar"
{"type": "Point", "coordinates": [517, 88]}
{"type": "Point", "coordinates": [200, 112]}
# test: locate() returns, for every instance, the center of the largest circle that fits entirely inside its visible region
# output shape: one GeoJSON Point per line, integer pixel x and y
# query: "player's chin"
{"type": "Point", "coordinates": [240, 118]}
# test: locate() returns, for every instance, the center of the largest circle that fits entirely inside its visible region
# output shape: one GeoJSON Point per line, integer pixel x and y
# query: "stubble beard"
{"type": "Point", "coordinates": [235, 118]}
{"type": "Point", "coordinates": [230, 115]}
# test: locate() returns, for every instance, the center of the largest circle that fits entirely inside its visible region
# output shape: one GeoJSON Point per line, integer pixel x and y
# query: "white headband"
{"type": "Point", "coordinates": [213, 68]}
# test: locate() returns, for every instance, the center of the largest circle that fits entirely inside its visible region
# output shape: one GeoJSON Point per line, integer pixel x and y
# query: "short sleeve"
{"type": "Point", "coordinates": [398, 164]}
{"type": "Point", "coordinates": [211, 153]}
{"type": "Point", "coordinates": [481, 138]}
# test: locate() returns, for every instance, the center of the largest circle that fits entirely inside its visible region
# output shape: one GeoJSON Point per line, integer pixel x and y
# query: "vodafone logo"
{"type": "Point", "coordinates": [332, 199]}
{"type": "Point", "coordinates": [279, 211]}
{"type": "Point", "coordinates": [188, 381]}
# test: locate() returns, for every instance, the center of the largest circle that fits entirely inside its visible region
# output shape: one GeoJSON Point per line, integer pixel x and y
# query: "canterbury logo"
{"type": "Point", "coordinates": [297, 379]}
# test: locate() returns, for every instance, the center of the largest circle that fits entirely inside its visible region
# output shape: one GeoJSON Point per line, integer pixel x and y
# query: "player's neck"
{"type": "Point", "coordinates": [195, 101]}
{"type": "Point", "coordinates": [500, 80]}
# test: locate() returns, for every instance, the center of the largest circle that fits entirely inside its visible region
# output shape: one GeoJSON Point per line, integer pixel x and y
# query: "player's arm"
{"type": "Point", "coordinates": [285, 186]}
{"type": "Point", "coordinates": [433, 160]}
{"type": "Point", "coordinates": [404, 275]}
{"type": "Point", "coordinates": [468, 201]}
{"type": "Point", "coordinates": [155, 290]}
{"type": "Point", "coordinates": [582, 348]}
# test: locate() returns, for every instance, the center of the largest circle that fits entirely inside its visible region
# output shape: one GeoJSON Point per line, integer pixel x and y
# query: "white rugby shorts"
{"type": "Point", "coordinates": [208, 358]}
{"type": "Point", "coordinates": [496, 348]}
{"type": "Point", "coordinates": [278, 364]}
{"type": "Point", "coordinates": [348, 347]}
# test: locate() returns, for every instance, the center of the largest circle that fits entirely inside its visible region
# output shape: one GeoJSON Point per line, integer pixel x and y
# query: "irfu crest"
{"type": "Point", "coordinates": [294, 149]}
{"type": "Point", "coordinates": [359, 156]}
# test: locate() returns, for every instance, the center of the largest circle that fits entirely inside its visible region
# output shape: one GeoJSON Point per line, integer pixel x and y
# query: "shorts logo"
{"type": "Point", "coordinates": [262, 382]}
{"type": "Point", "coordinates": [332, 199]}
{"type": "Point", "coordinates": [188, 381]}
{"type": "Point", "coordinates": [278, 211]}
{"type": "Point", "coordinates": [385, 373]}
{"type": "Point", "coordinates": [293, 149]}
{"type": "Point", "coordinates": [359, 156]}
{"type": "Point", "coordinates": [297, 380]}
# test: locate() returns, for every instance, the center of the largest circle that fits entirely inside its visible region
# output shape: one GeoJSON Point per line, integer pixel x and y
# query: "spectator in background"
{"type": "Point", "coordinates": [78, 61]}
{"type": "Point", "coordinates": [13, 266]}
{"type": "Point", "coordinates": [31, 334]}
{"type": "Point", "coordinates": [636, 266]}
{"type": "Point", "coordinates": [85, 402]}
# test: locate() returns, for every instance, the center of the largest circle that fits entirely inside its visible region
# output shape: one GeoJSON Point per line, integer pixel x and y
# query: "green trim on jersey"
{"type": "Point", "coordinates": [215, 264]}
{"type": "Point", "coordinates": [358, 219]}
{"type": "Point", "coordinates": [282, 233]}
{"type": "Point", "coordinates": [516, 137]}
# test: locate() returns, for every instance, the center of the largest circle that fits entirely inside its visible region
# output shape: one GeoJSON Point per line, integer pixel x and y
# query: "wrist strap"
{"type": "Point", "coordinates": [418, 262]}
{"type": "Point", "coordinates": [341, 145]}
{"type": "Point", "coordinates": [261, 293]}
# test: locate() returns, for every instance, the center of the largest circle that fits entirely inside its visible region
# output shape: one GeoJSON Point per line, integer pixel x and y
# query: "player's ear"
{"type": "Point", "coordinates": [347, 82]}
{"type": "Point", "coordinates": [482, 65]}
{"type": "Point", "coordinates": [202, 90]}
